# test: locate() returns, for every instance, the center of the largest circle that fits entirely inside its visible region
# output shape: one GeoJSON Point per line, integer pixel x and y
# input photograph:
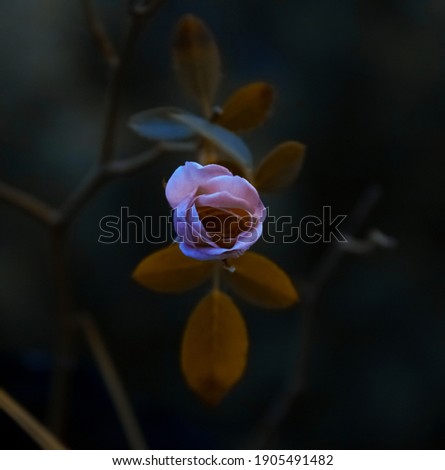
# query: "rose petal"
{"type": "Point", "coordinates": [189, 228]}
{"type": "Point", "coordinates": [224, 200]}
{"type": "Point", "coordinates": [187, 178]}
{"type": "Point", "coordinates": [184, 224]}
{"type": "Point", "coordinates": [247, 239]}
{"type": "Point", "coordinates": [209, 253]}
{"type": "Point", "coordinates": [213, 191]}
{"type": "Point", "coordinates": [235, 185]}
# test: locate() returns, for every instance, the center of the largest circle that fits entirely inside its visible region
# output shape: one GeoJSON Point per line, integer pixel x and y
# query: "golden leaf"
{"type": "Point", "coordinates": [247, 108]}
{"type": "Point", "coordinates": [214, 347]}
{"type": "Point", "coordinates": [260, 281]}
{"type": "Point", "coordinates": [280, 167]}
{"type": "Point", "coordinates": [170, 271]}
{"type": "Point", "coordinates": [197, 61]}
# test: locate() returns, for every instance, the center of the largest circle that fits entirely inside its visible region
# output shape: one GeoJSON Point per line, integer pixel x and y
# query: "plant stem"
{"type": "Point", "coordinates": [139, 16]}
{"type": "Point", "coordinates": [102, 174]}
{"type": "Point", "coordinates": [114, 93]}
{"type": "Point", "coordinates": [113, 383]}
{"type": "Point", "coordinates": [92, 182]}
{"type": "Point", "coordinates": [132, 165]}
{"type": "Point", "coordinates": [59, 221]}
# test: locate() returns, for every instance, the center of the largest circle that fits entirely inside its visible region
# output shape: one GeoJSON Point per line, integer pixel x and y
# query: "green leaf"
{"type": "Point", "coordinates": [247, 108]}
{"type": "Point", "coordinates": [214, 347]}
{"type": "Point", "coordinates": [197, 61]}
{"type": "Point", "coordinates": [280, 167]}
{"type": "Point", "coordinates": [157, 124]}
{"type": "Point", "coordinates": [170, 271]}
{"type": "Point", "coordinates": [261, 282]}
{"type": "Point", "coordinates": [227, 142]}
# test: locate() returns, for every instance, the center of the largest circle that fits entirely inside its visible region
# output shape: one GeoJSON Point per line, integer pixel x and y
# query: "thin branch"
{"type": "Point", "coordinates": [99, 33]}
{"type": "Point", "coordinates": [141, 12]}
{"type": "Point", "coordinates": [114, 93]}
{"type": "Point", "coordinates": [92, 182]}
{"type": "Point", "coordinates": [113, 384]}
{"type": "Point", "coordinates": [138, 20]}
{"type": "Point", "coordinates": [44, 438]}
{"type": "Point", "coordinates": [134, 164]}
{"type": "Point", "coordinates": [296, 387]}
{"type": "Point", "coordinates": [27, 203]}
{"type": "Point", "coordinates": [95, 180]}
{"type": "Point", "coordinates": [102, 174]}
{"type": "Point", "coordinates": [59, 221]}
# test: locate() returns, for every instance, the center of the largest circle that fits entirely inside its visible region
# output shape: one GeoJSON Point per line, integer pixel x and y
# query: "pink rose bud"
{"type": "Point", "coordinates": [216, 215]}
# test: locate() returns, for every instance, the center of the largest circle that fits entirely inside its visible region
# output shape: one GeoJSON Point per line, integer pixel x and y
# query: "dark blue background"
{"type": "Point", "coordinates": [362, 84]}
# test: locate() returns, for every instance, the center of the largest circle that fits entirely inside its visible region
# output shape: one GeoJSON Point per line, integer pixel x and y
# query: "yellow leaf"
{"type": "Point", "coordinates": [280, 167]}
{"type": "Point", "coordinates": [170, 271]}
{"type": "Point", "coordinates": [197, 61]}
{"type": "Point", "coordinates": [247, 108]}
{"type": "Point", "coordinates": [214, 347]}
{"type": "Point", "coordinates": [262, 282]}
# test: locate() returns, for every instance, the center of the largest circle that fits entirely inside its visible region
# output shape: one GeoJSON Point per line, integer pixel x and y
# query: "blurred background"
{"type": "Point", "coordinates": [362, 85]}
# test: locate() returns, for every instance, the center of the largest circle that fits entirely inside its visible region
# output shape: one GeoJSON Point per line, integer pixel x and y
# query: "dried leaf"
{"type": "Point", "coordinates": [170, 271]}
{"type": "Point", "coordinates": [260, 281]}
{"type": "Point", "coordinates": [247, 108]}
{"type": "Point", "coordinates": [227, 142]}
{"type": "Point", "coordinates": [197, 60]}
{"type": "Point", "coordinates": [280, 167]}
{"type": "Point", "coordinates": [214, 348]}
{"type": "Point", "coordinates": [157, 124]}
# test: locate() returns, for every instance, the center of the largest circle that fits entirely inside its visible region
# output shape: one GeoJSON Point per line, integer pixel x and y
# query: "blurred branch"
{"type": "Point", "coordinates": [99, 34]}
{"type": "Point", "coordinates": [93, 181]}
{"type": "Point", "coordinates": [137, 22]}
{"type": "Point", "coordinates": [296, 387]}
{"type": "Point", "coordinates": [102, 174]}
{"type": "Point", "coordinates": [140, 13]}
{"type": "Point", "coordinates": [27, 203]}
{"type": "Point", "coordinates": [113, 384]}
{"type": "Point", "coordinates": [374, 239]}
{"type": "Point", "coordinates": [60, 220]}
{"type": "Point", "coordinates": [41, 435]}
{"type": "Point", "coordinates": [132, 165]}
